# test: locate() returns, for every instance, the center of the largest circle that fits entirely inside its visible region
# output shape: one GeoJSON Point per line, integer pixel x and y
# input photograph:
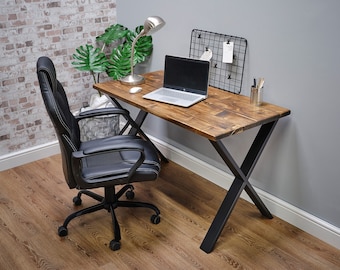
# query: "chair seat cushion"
{"type": "Point", "coordinates": [111, 168]}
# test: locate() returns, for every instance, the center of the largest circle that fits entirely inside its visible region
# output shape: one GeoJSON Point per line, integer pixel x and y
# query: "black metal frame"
{"type": "Point", "coordinates": [240, 183]}
{"type": "Point", "coordinates": [136, 124]}
{"type": "Point", "coordinates": [228, 77]}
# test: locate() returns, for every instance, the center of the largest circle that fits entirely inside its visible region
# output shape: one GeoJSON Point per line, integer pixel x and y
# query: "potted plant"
{"type": "Point", "coordinates": [112, 58]}
{"type": "Point", "coordinates": [116, 63]}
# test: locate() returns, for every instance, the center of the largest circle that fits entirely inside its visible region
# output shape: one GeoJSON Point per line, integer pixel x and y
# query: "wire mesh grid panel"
{"type": "Point", "coordinates": [226, 76]}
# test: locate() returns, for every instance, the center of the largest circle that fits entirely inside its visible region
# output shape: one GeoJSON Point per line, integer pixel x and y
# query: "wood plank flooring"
{"type": "Point", "coordinates": [34, 200]}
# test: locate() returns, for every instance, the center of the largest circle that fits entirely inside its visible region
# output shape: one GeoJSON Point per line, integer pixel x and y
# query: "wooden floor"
{"type": "Point", "coordinates": [34, 200]}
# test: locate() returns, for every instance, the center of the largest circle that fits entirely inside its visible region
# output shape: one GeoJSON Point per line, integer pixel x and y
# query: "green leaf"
{"type": "Point", "coordinates": [143, 47]}
{"type": "Point", "coordinates": [90, 59]}
{"type": "Point", "coordinates": [119, 62]}
{"type": "Point", "coordinates": [113, 33]}
{"type": "Point", "coordinates": [131, 35]}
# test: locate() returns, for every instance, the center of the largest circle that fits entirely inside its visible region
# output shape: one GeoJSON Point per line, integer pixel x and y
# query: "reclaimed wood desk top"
{"type": "Point", "coordinates": [222, 114]}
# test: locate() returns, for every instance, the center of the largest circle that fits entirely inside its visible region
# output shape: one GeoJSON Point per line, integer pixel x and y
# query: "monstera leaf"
{"type": "Point", "coordinates": [119, 62]}
{"type": "Point", "coordinates": [90, 59]}
{"type": "Point", "coordinates": [113, 33]}
{"type": "Point", "coordinates": [143, 47]}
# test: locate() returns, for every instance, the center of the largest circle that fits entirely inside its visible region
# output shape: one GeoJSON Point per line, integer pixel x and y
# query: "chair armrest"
{"type": "Point", "coordinates": [109, 147]}
{"type": "Point", "coordinates": [101, 112]}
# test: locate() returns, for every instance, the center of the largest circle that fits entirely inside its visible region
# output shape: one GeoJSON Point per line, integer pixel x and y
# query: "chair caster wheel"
{"type": "Point", "coordinates": [77, 201]}
{"type": "Point", "coordinates": [114, 245]}
{"type": "Point", "coordinates": [62, 231]}
{"type": "Point", "coordinates": [130, 194]}
{"type": "Point", "coordinates": [155, 219]}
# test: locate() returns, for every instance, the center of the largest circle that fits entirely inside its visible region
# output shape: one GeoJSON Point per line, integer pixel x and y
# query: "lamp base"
{"type": "Point", "coordinates": [132, 79]}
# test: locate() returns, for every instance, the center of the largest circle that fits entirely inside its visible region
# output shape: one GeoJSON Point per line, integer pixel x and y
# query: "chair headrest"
{"type": "Point", "coordinates": [45, 64]}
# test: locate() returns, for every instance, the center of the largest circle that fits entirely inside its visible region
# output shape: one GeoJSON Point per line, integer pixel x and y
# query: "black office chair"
{"type": "Point", "coordinates": [106, 162]}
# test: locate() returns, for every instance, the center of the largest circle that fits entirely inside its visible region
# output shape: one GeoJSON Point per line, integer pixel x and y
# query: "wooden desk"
{"type": "Point", "coordinates": [222, 114]}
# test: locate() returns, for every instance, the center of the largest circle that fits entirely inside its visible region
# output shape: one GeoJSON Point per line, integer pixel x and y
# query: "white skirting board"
{"type": "Point", "coordinates": [289, 213]}
{"type": "Point", "coordinates": [28, 155]}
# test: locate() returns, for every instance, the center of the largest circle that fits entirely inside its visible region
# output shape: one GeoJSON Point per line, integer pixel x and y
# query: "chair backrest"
{"type": "Point", "coordinates": [64, 122]}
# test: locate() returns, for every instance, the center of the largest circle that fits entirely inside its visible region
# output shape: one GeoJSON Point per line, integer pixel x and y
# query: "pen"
{"type": "Point", "coordinates": [261, 83]}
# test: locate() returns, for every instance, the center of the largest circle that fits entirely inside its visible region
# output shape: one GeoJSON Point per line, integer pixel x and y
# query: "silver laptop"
{"type": "Point", "coordinates": [185, 82]}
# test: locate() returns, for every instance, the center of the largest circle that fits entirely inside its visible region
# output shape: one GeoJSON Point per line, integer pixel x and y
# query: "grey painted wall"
{"type": "Point", "coordinates": [295, 46]}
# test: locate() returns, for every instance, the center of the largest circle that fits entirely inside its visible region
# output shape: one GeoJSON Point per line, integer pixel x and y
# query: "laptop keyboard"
{"type": "Point", "coordinates": [177, 94]}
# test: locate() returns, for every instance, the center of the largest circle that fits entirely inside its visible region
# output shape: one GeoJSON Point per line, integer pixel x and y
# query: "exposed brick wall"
{"type": "Point", "coordinates": [33, 28]}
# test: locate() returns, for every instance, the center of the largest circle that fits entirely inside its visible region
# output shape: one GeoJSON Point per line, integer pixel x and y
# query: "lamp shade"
{"type": "Point", "coordinates": [153, 24]}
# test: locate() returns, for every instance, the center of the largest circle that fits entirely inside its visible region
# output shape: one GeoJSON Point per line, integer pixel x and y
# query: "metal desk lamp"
{"type": "Point", "coordinates": [151, 25]}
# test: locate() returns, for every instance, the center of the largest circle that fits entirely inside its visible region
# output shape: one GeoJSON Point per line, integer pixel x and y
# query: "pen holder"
{"type": "Point", "coordinates": [256, 96]}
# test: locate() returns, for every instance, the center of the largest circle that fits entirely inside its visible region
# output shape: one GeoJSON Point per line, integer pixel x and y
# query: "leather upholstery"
{"type": "Point", "coordinates": [96, 163]}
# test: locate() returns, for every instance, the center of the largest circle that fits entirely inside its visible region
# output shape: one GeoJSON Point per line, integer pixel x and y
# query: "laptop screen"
{"type": "Point", "coordinates": [191, 75]}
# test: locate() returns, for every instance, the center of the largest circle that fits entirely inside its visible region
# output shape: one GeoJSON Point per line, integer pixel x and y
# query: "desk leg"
{"type": "Point", "coordinates": [240, 182]}
{"type": "Point", "coordinates": [136, 126]}
{"type": "Point", "coordinates": [139, 121]}
{"type": "Point", "coordinates": [250, 161]}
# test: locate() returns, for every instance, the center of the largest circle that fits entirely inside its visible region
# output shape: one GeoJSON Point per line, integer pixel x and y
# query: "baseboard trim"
{"type": "Point", "coordinates": [28, 155]}
{"type": "Point", "coordinates": [291, 214]}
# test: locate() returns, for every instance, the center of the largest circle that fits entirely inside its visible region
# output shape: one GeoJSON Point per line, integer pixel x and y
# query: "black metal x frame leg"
{"type": "Point", "coordinates": [239, 184]}
{"type": "Point", "coordinates": [136, 126]}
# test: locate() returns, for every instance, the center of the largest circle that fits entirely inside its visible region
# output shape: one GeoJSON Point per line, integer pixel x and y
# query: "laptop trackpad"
{"type": "Point", "coordinates": [168, 99]}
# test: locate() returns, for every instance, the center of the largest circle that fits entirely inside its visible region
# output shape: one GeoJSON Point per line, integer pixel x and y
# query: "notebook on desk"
{"type": "Point", "coordinates": [185, 82]}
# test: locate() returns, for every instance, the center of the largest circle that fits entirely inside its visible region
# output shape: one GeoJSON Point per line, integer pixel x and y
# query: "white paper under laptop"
{"type": "Point", "coordinates": [185, 82]}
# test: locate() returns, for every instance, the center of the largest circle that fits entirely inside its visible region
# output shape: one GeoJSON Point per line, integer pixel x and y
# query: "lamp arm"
{"type": "Point", "coordinates": [133, 48]}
